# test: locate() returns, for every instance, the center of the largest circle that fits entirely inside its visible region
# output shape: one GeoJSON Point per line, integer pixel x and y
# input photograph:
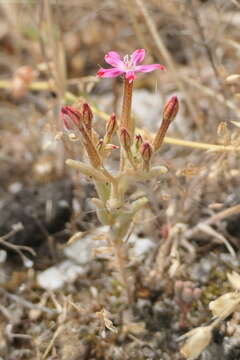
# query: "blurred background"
{"type": "Point", "coordinates": [50, 52]}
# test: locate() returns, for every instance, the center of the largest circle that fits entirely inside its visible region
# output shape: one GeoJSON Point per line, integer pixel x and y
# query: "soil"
{"type": "Point", "coordinates": [29, 207]}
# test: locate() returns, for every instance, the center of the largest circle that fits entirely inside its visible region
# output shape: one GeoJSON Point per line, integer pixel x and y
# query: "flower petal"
{"type": "Point", "coordinates": [138, 56]}
{"type": "Point", "coordinates": [109, 73]}
{"type": "Point", "coordinates": [113, 58]}
{"type": "Point", "coordinates": [148, 68]}
{"type": "Point", "coordinates": [130, 76]}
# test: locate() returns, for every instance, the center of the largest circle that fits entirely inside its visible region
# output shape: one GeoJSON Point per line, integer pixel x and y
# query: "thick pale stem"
{"type": "Point", "coordinates": [131, 159]}
{"type": "Point", "coordinates": [115, 198]}
{"type": "Point", "coordinates": [117, 234]}
{"type": "Point", "coordinates": [146, 166]}
{"type": "Point", "coordinates": [102, 212]}
{"type": "Point", "coordinates": [121, 261]}
{"type": "Point", "coordinates": [126, 121]}
{"type": "Point", "coordinates": [87, 170]}
{"type": "Point", "coordinates": [92, 152]}
{"type": "Point", "coordinates": [102, 190]}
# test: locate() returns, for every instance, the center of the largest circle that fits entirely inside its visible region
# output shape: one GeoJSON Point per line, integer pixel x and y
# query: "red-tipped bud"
{"type": "Point", "coordinates": [125, 139]}
{"type": "Point", "coordinates": [70, 117]}
{"type": "Point", "coordinates": [87, 117]}
{"type": "Point", "coordinates": [169, 112]}
{"type": "Point", "coordinates": [138, 141]}
{"type": "Point", "coordinates": [73, 118]}
{"type": "Point", "coordinates": [146, 151]}
{"type": "Point", "coordinates": [170, 109]}
{"type": "Point", "coordinates": [111, 126]}
{"type": "Point", "coordinates": [111, 147]}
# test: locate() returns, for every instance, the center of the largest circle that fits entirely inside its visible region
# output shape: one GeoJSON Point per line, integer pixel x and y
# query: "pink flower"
{"type": "Point", "coordinates": [128, 65]}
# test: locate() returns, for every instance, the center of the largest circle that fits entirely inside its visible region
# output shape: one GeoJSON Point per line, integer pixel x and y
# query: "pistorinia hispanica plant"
{"type": "Point", "coordinates": [114, 208]}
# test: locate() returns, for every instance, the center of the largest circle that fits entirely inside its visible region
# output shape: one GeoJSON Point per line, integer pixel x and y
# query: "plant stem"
{"type": "Point", "coordinates": [161, 134]}
{"type": "Point", "coordinates": [126, 120]}
{"type": "Point", "coordinates": [120, 257]}
{"type": "Point", "coordinates": [200, 145]}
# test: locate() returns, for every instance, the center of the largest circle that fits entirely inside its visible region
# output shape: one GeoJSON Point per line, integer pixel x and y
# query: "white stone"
{"type": "Point", "coordinates": [56, 276]}
{"type": "Point", "coordinates": [15, 187]}
{"type": "Point", "coordinates": [141, 246]}
{"type": "Point", "coordinates": [51, 279]}
{"type": "Point", "coordinates": [81, 250]}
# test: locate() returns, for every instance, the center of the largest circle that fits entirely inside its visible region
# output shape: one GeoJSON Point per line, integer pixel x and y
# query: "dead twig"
{"type": "Point", "coordinates": [205, 226]}
{"type": "Point", "coordinates": [50, 345]}
{"type": "Point", "coordinates": [27, 303]}
{"type": "Point", "coordinates": [17, 248]}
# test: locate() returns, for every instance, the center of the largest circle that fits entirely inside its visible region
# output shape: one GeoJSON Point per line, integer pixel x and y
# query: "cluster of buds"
{"type": "Point", "coordinates": [142, 151]}
{"type": "Point", "coordinates": [185, 294]}
{"type": "Point", "coordinates": [79, 120]}
{"type": "Point", "coordinates": [138, 153]}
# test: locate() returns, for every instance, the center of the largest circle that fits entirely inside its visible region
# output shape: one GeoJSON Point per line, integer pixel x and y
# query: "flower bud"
{"type": "Point", "coordinates": [169, 113]}
{"type": "Point", "coordinates": [111, 147]}
{"type": "Point", "coordinates": [171, 109]}
{"type": "Point", "coordinates": [108, 148]}
{"type": "Point", "coordinates": [70, 117]}
{"type": "Point", "coordinates": [125, 139]}
{"type": "Point", "coordinates": [111, 126]}
{"type": "Point", "coordinates": [138, 141]}
{"type": "Point", "coordinates": [146, 151]}
{"type": "Point", "coordinates": [87, 117]}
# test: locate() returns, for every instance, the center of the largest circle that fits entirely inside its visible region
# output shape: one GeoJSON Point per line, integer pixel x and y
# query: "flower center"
{"type": "Point", "coordinates": [128, 63]}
